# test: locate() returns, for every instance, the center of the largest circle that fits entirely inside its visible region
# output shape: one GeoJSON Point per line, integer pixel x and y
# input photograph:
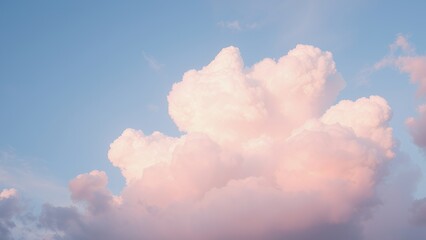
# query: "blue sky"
{"type": "Point", "coordinates": [75, 74]}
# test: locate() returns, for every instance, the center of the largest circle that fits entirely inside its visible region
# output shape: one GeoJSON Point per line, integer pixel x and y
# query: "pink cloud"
{"type": "Point", "coordinates": [407, 61]}
{"type": "Point", "coordinates": [264, 154]}
{"type": "Point", "coordinates": [232, 103]}
{"type": "Point", "coordinates": [417, 127]}
{"type": "Point", "coordinates": [415, 66]}
{"type": "Point", "coordinates": [132, 152]}
{"type": "Point", "coordinates": [91, 188]}
{"type": "Point", "coordinates": [401, 42]}
{"type": "Point", "coordinates": [7, 193]}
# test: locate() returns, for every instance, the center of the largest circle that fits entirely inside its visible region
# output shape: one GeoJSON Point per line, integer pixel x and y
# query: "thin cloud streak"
{"type": "Point", "coordinates": [237, 26]}
{"type": "Point", "coordinates": [152, 62]}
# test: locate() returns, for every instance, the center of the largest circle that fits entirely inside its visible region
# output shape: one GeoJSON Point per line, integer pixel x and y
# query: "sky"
{"type": "Point", "coordinates": [212, 119]}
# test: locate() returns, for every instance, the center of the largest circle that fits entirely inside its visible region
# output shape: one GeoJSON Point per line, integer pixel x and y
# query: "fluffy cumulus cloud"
{"type": "Point", "coordinates": [264, 154]}
{"type": "Point", "coordinates": [91, 188]}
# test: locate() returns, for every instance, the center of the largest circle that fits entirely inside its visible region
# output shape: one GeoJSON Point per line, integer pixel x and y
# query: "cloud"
{"type": "Point", "coordinates": [237, 26]}
{"type": "Point", "coordinates": [17, 221]}
{"type": "Point", "coordinates": [29, 180]}
{"type": "Point", "coordinates": [419, 212]}
{"type": "Point", "coordinates": [127, 151]}
{"type": "Point", "coordinates": [9, 207]}
{"type": "Point", "coordinates": [229, 103]}
{"type": "Point", "coordinates": [417, 127]}
{"type": "Point", "coordinates": [402, 43]}
{"type": "Point", "coordinates": [152, 62]}
{"type": "Point", "coordinates": [232, 25]}
{"type": "Point", "coordinates": [403, 57]}
{"type": "Point", "coordinates": [91, 188]}
{"type": "Point", "coordinates": [416, 67]}
{"type": "Point", "coordinates": [7, 193]}
{"type": "Point", "coordinates": [60, 219]}
{"type": "Point", "coordinates": [153, 107]}
{"type": "Point", "coordinates": [264, 154]}
{"type": "Point", "coordinates": [398, 215]}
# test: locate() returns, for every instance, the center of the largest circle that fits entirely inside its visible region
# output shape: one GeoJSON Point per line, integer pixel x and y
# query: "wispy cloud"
{"type": "Point", "coordinates": [153, 63]}
{"type": "Point", "coordinates": [400, 52]}
{"type": "Point", "coordinates": [17, 173]}
{"type": "Point", "coordinates": [153, 107]}
{"type": "Point", "coordinates": [237, 26]}
{"type": "Point", "coordinates": [233, 25]}
{"type": "Point", "coordinates": [403, 56]}
{"type": "Point", "coordinates": [22, 187]}
{"type": "Point", "coordinates": [401, 47]}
